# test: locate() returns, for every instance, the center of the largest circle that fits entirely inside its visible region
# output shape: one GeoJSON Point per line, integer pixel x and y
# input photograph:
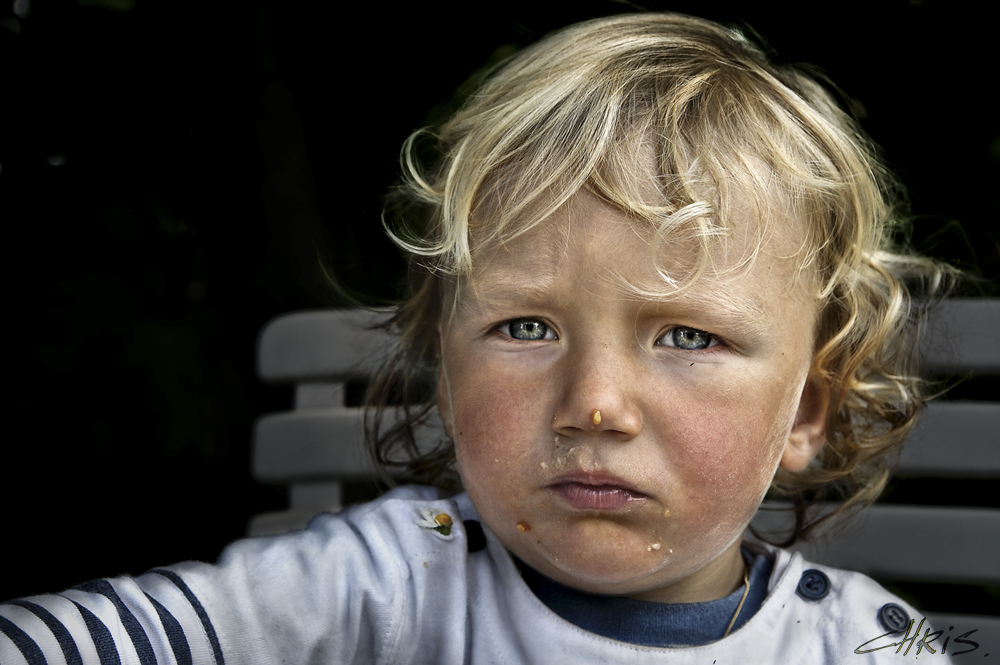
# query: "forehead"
{"type": "Point", "coordinates": [691, 215]}
{"type": "Point", "coordinates": [597, 243]}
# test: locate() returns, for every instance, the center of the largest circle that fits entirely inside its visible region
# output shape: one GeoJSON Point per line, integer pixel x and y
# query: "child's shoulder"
{"type": "Point", "coordinates": [356, 586]}
{"type": "Point", "coordinates": [830, 613]}
{"type": "Point", "coordinates": [378, 541]}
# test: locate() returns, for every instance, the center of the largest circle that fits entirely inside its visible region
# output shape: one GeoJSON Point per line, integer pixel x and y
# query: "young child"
{"type": "Point", "coordinates": [652, 282]}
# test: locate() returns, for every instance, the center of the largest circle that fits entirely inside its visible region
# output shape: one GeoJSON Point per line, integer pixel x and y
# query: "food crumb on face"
{"type": "Point", "coordinates": [596, 416]}
{"type": "Point", "coordinates": [543, 465]}
{"type": "Point", "coordinates": [654, 547]}
{"type": "Point", "coordinates": [523, 526]}
{"type": "Point", "coordinates": [666, 513]}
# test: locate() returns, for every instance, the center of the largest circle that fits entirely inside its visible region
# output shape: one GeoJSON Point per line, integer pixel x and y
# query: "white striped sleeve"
{"type": "Point", "coordinates": [10, 652]}
{"type": "Point", "coordinates": [25, 638]}
{"type": "Point", "coordinates": [152, 620]}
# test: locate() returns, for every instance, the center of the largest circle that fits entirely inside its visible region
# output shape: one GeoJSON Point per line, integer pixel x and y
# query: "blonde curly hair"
{"type": "Point", "coordinates": [579, 109]}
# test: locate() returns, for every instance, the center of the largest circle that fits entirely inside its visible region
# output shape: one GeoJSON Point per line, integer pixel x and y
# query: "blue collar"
{"type": "Point", "coordinates": [654, 624]}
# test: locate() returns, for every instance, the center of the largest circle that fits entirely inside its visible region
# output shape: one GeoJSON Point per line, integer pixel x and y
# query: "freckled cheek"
{"type": "Point", "coordinates": [492, 404]}
{"type": "Point", "coordinates": [495, 434]}
{"type": "Point", "coordinates": [726, 462]}
{"type": "Point", "coordinates": [480, 444]}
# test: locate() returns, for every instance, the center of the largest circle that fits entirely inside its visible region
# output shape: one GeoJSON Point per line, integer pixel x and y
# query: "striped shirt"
{"type": "Point", "coordinates": [381, 583]}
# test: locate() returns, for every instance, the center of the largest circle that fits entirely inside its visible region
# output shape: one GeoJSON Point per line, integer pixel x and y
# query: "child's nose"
{"type": "Point", "coordinates": [599, 399]}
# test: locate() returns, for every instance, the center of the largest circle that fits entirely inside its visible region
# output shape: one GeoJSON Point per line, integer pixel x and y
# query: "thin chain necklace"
{"type": "Point", "coordinates": [746, 590]}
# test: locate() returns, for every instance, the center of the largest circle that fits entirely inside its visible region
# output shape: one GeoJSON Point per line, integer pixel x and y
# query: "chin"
{"type": "Point", "coordinates": [618, 567]}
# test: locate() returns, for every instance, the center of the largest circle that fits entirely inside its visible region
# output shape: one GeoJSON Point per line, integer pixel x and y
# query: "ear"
{"type": "Point", "coordinates": [808, 434]}
{"type": "Point", "coordinates": [444, 401]}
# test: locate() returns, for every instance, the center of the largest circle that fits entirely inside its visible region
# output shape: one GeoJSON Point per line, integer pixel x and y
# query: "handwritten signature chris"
{"type": "Point", "coordinates": [924, 643]}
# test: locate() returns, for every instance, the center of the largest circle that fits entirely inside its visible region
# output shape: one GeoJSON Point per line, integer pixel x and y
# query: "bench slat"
{"type": "Point", "coordinates": [321, 345]}
{"type": "Point", "coordinates": [913, 543]}
{"type": "Point", "coordinates": [323, 443]}
{"type": "Point", "coordinates": [954, 439]}
{"type": "Point", "coordinates": [963, 335]}
{"type": "Point", "coordinates": [328, 443]}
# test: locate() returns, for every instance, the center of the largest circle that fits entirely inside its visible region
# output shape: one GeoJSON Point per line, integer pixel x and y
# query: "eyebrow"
{"type": "Point", "coordinates": [749, 309]}
{"type": "Point", "coordinates": [723, 311]}
{"type": "Point", "coordinates": [509, 291]}
{"type": "Point", "coordinates": [512, 290]}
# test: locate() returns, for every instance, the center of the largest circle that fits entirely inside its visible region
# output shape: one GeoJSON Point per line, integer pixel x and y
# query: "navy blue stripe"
{"type": "Point", "coordinates": [135, 631]}
{"type": "Point", "coordinates": [107, 651]}
{"type": "Point", "coordinates": [22, 641]}
{"type": "Point", "coordinates": [199, 610]}
{"type": "Point", "coordinates": [172, 627]}
{"type": "Point", "coordinates": [66, 643]}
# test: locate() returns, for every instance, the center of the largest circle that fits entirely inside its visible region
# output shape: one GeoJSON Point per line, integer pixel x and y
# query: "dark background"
{"type": "Point", "coordinates": [171, 172]}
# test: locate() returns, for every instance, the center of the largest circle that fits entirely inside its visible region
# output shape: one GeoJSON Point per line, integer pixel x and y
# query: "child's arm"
{"type": "Point", "coordinates": [267, 600]}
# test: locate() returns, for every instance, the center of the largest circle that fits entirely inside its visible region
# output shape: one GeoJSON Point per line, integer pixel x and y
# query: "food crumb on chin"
{"type": "Point", "coordinates": [523, 526]}
{"type": "Point", "coordinates": [653, 547]}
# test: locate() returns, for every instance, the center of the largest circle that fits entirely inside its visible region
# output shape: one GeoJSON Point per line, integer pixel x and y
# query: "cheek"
{"type": "Point", "coordinates": [491, 413]}
{"type": "Point", "coordinates": [495, 427]}
{"type": "Point", "coordinates": [479, 436]}
{"type": "Point", "coordinates": [730, 445]}
{"type": "Point", "coordinates": [727, 472]}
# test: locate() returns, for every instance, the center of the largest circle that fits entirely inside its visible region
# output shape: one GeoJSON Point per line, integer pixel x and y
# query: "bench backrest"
{"type": "Point", "coordinates": [317, 446]}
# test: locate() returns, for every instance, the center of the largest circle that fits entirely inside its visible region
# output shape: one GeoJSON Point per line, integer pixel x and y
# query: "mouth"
{"type": "Point", "coordinates": [596, 491]}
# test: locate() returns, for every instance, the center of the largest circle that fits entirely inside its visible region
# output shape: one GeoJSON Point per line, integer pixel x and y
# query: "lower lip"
{"type": "Point", "coordinates": [596, 497]}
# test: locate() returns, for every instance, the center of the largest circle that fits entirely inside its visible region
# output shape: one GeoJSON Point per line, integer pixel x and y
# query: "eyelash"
{"type": "Point", "coordinates": [498, 329]}
{"type": "Point", "coordinates": [715, 342]}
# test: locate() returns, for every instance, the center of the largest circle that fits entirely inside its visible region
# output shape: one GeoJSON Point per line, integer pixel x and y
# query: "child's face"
{"type": "Point", "coordinates": [652, 500]}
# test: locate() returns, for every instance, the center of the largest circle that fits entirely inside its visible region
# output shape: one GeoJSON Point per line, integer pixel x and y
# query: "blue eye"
{"type": "Point", "coordinates": [528, 330]}
{"type": "Point", "coordinates": [688, 339]}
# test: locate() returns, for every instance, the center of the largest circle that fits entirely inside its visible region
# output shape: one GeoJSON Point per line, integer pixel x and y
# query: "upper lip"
{"type": "Point", "coordinates": [596, 479]}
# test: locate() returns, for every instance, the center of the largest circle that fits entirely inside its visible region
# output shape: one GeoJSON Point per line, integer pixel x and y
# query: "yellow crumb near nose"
{"type": "Point", "coordinates": [597, 417]}
{"type": "Point", "coordinates": [443, 519]}
{"type": "Point", "coordinates": [523, 526]}
{"type": "Point", "coordinates": [666, 513]}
